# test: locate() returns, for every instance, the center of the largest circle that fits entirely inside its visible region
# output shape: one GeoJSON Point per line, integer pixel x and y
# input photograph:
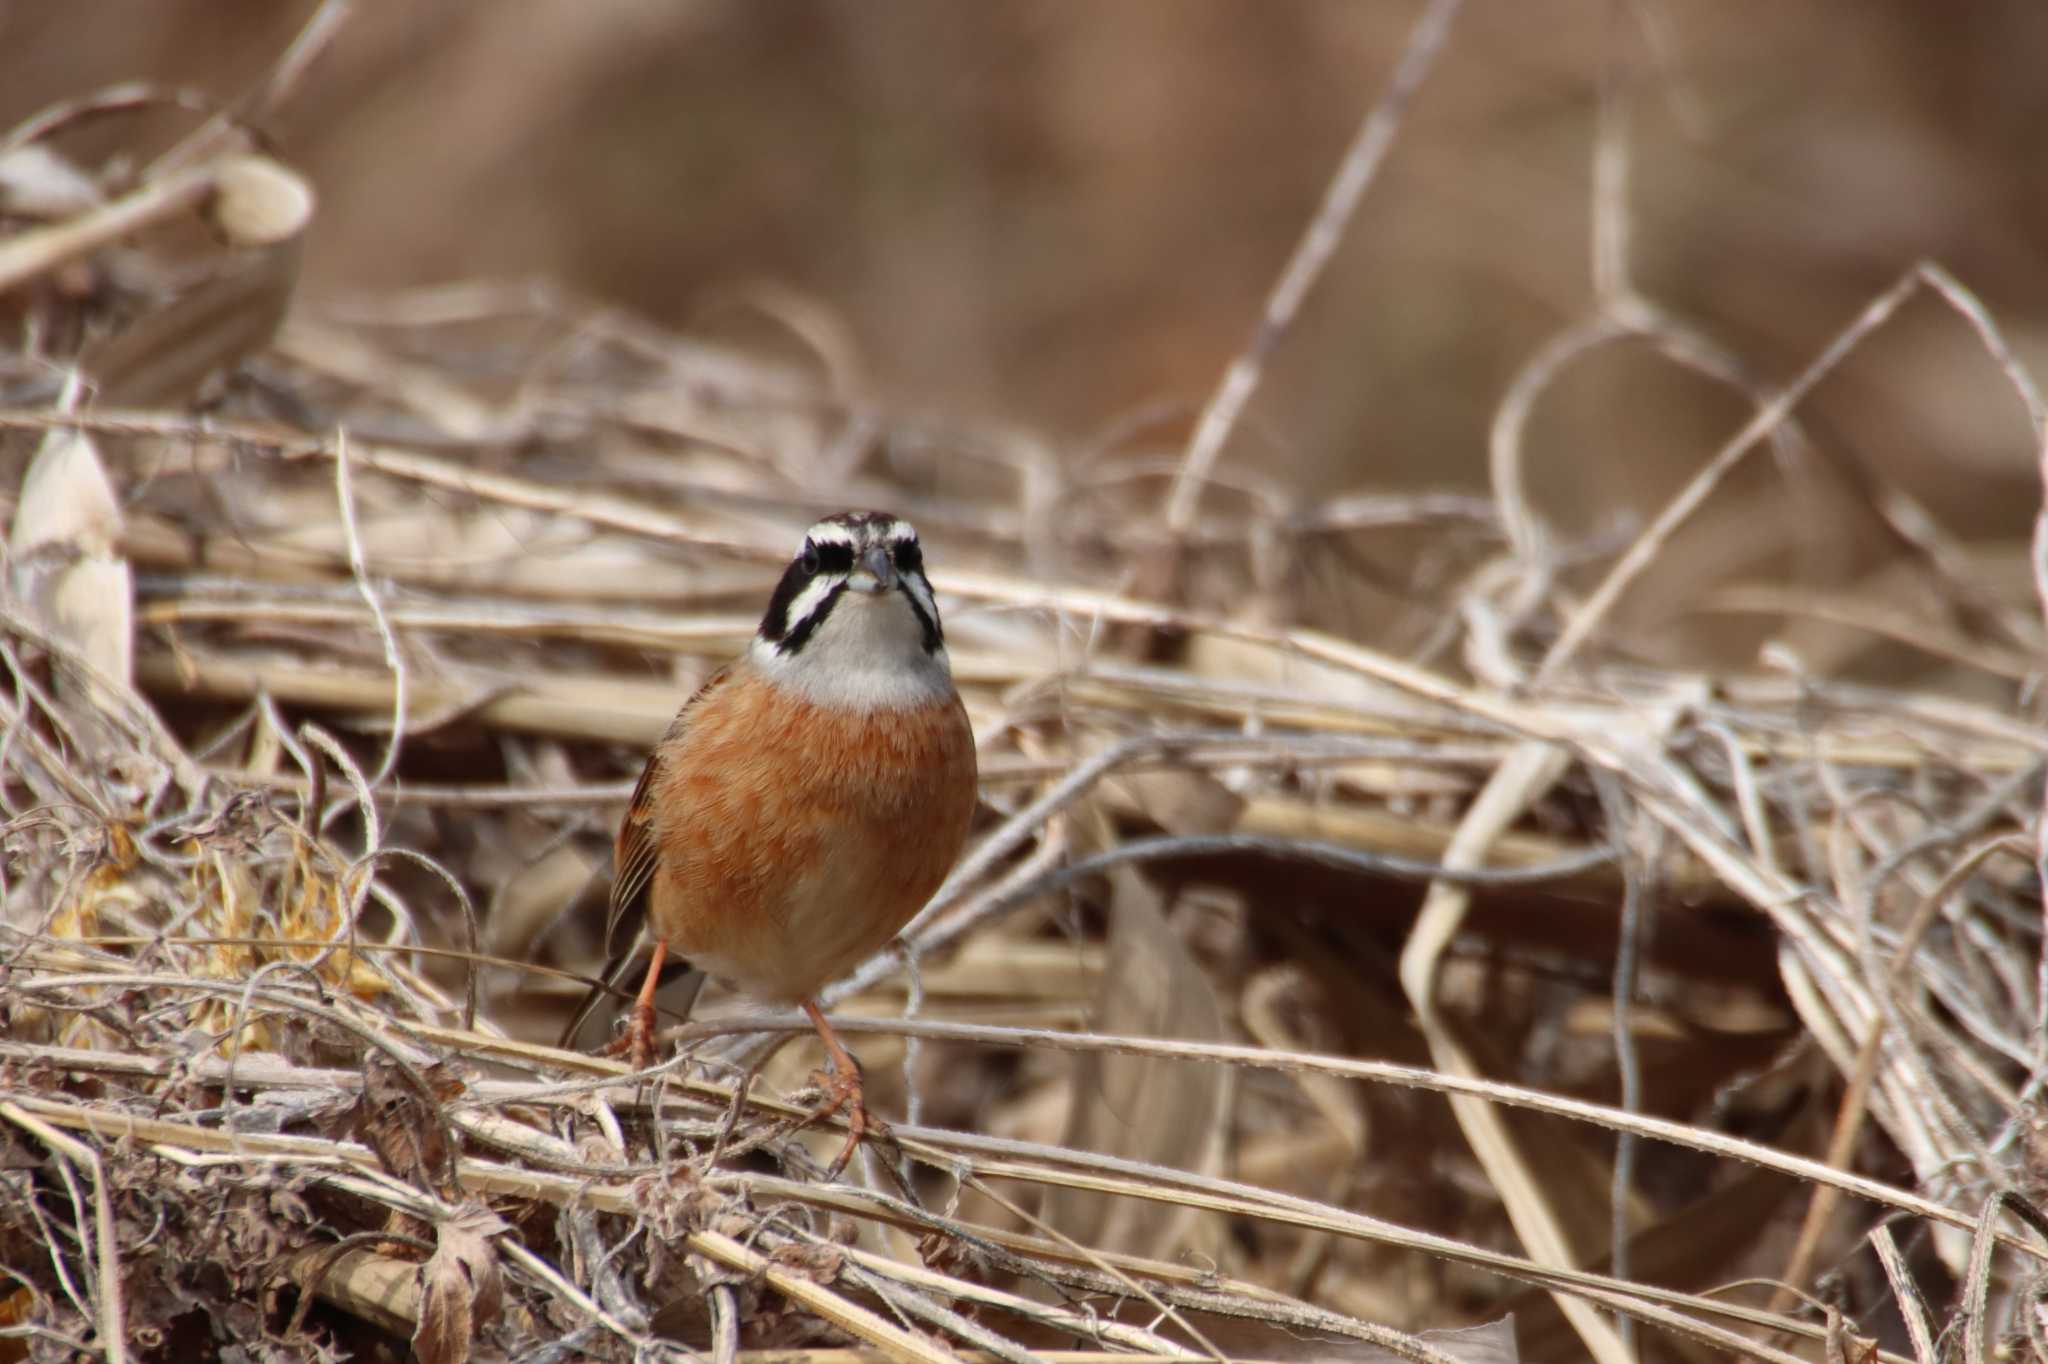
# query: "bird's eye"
{"type": "Point", "coordinates": [909, 558]}
{"type": "Point", "coordinates": [808, 560]}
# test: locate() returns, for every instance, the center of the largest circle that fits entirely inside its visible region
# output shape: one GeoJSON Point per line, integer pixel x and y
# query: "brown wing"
{"type": "Point", "coordinates": [634, 855]}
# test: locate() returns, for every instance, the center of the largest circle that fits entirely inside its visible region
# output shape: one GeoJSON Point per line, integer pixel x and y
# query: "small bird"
{"type": "Point", "coordinates": [807, 800]}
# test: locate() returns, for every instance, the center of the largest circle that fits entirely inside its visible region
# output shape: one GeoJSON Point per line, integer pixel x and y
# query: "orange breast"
{"type": "Point", "coordinates": [797, 840]}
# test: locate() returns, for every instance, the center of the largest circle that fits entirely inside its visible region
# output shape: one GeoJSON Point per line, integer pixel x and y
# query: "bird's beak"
{"type": "Point", "coordinates": [876, 572]}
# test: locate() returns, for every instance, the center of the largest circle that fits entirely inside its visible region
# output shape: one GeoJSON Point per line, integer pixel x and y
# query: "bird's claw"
{"type": "Point", "coordinates": [636, 1043]}
{"type": "Point", "coordinates": [843, 1094]}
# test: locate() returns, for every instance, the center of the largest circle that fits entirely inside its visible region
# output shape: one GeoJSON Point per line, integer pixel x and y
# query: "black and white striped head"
{"type": "Point", "coordinates": [853, 623]}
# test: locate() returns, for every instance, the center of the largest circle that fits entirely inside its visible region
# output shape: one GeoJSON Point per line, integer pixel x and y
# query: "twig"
{"type": "Point", "coordinates": [313, 38]}
{"type": "Point", "coordinates": [359, 570]}
{"type": "Point", "coordinates": [113, 1330]}
{"type": "Point", "coordinates": [1849, 1118]}
{"type": "Point", "coordinates": [1766, 420]}
{"type": "Point", "coordinates": [1354, 175]}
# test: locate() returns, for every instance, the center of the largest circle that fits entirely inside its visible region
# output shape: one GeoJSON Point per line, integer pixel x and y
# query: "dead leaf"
{"type": "Point", "coordinates": [17, 1307]}
{"type": "Point", "coordinates": [461, 1288]}
{"type": "Point", "coordinates": [67, 500]}
{"type": "Point", "coordinates": [533, 900]}
{"type": "Point", "coordinates": [1167, 1112]}
{"type": "Point", "coordinates": [36, 182]}
{"type": "Point", "coordinates": [66, 567]}
{"type": "Point", "coordinates": [1691, 1248]}
{"type": "Point", "coordinates": [405, 1127]}
{"type": "Point", "coordinates": [91, 606]}
{"type": "Point", "coordinates": [1492, 1342]}
{"type": "Point", "coordinates": [818, 1263]}
{"type": "Point", "coordinates": [1181, 802]}
{"type": "Point", "coordinates": [258, 202]}
{"type": "Point", "coordinates": [260, 208]}
{"type": "Point", "coordinates": [2034, 1150]}
{"type": "Point", "coordinates": [166, 355]}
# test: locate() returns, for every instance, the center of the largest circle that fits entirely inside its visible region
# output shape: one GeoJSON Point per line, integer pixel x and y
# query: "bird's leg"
{"type": "Point", "coordinates": [638, 1039]}
{"type": "Point", "coordinates": [842, 1085]}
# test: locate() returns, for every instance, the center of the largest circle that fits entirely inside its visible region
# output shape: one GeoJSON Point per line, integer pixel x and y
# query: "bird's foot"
{"type": "Point", "coordinates": [636, 1043]}
{"type": "Point", "coordinates": [842, 1089]}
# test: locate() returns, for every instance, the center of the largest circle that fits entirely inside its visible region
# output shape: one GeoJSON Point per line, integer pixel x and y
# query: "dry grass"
{"type": "Point", "coordinates": [1297, 995]}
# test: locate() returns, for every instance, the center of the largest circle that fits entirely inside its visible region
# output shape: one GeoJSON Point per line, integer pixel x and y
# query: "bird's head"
{"type": "Point", "coordinates": [853, 622]}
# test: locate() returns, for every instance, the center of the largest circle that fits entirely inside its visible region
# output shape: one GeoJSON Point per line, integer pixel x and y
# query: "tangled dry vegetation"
{"type": "Point", "coordinates": [1311, 987]}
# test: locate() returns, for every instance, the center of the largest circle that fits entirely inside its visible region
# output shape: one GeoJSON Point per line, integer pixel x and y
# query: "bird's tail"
{"type": "Point", "coordinates": [619, 969]}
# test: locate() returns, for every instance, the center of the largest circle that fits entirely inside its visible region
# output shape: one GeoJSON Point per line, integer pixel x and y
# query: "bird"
{"type": "Point", "coordinates": [805, 802]}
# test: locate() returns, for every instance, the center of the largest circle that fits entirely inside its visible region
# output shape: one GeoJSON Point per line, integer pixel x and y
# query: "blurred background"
{"type": "Point", "coordinates": [1065, 215]}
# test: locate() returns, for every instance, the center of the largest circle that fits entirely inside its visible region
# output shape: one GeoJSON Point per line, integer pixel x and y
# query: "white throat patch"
{"type": "Point", "coordinates": [867, 654]}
